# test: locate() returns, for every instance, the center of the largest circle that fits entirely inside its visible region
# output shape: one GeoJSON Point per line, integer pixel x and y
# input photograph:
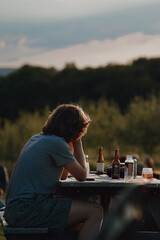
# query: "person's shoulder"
{"type": "Point", "coordinates": [54, 139]}
{"type": "Point", "coordinates": [55, 143]}
{"type": "Point", "coordinates": [59, 141]}
{"type": "Point", "coordinates": [51, 137]}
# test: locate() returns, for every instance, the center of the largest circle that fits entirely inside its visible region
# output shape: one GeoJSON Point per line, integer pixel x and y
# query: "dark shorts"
{"type": "Point", "coordinates": [40, 211]}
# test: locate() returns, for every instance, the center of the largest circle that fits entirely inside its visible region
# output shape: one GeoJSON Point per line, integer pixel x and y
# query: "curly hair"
{"type": "Point", "coordinates": [68, 121]}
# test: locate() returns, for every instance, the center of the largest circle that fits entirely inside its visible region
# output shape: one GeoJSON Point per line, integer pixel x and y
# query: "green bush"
{"type": "Point", "coordinates": [136, 131]}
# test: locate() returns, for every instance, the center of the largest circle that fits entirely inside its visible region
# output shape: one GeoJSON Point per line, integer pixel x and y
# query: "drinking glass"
{"type": "Point", "coordinates": [147, 174]}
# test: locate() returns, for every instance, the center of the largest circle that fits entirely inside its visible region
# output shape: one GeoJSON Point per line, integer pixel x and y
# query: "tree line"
{"type": "Point", "coordinates": [135, 132]}
{"type": "Point", "coordinates": [32, 88]}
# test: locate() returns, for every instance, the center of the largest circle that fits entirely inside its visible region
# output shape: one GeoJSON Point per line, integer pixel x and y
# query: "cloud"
{"type": "Point", "coordinates": [53, 34]}
{"type": "Point", "coordinates": [157, 26]}
{"type": "Point", "coordinates": [61, 9]}
{"type": "Point", "coordinates": [2, 44]}
{"type": "Point", "coordinates": [11, 51]}
{"type": "Point", "coordinates": [95, 53]}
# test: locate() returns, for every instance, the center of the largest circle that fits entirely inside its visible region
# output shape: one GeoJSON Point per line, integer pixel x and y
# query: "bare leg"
{"type": "Point", "coordinates": [91, 214]}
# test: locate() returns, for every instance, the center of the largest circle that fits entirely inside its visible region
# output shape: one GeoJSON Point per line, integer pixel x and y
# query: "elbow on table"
{"type": "Point", "coordinates": [82, 176]}
{"type": "Point", "coordinates": [64, 177]}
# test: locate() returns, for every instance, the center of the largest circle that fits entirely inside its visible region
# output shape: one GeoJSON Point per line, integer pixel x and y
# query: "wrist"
{"type": "Point", "coordinates": [77, 143]}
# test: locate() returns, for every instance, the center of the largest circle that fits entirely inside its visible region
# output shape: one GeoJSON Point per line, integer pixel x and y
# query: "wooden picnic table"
{"type": "Point", "coordinates": [102, 185]}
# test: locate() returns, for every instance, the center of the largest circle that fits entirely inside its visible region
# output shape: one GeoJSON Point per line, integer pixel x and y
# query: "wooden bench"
{"type": "Point", "coordinates": [13, 233]}
{"type": "Point", "coordinates": [147, 235]}
{"type": "Point", "coordinates": [22, 233]}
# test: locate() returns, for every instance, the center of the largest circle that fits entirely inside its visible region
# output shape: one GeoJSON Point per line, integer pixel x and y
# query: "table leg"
{"type": "Point", "coordinates": [105, 202]}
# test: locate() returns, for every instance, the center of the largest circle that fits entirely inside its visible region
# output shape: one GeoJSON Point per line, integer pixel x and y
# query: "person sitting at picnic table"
{"type": "Point", "coordinates": [30, 199]}
{"type": "Point", "coordinates": [149, 163]}
{"type": "Point", "coordinates": [4, 179]}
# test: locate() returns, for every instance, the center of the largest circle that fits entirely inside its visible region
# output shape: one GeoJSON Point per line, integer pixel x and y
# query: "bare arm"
{"type": "Point", "coordinates": [79, 153]}
{"type": "Point", "coordinates": [64, 174]}
{"type": "Point", "coordinates": [78, 168]}
{"type": "Point", "coordinates": [64, 171]}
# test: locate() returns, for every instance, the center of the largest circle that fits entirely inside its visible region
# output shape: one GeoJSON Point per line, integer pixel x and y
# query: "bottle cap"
{"type": "Point", "coordinates": [86, 157]}
{"type": "Point", "coordinates": [129, 158]}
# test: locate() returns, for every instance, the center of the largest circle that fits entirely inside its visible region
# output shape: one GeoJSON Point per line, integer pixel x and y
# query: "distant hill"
{"type": "Point", "coordinates": [6, 71]}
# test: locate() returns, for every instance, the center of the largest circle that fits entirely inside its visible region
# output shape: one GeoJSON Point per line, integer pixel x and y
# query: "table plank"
{"type": "Point", "coordinates": [105, 181]}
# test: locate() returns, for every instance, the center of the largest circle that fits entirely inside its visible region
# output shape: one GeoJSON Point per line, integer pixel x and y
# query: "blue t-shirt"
{"type": "Point", "coordinates": [39, 166]}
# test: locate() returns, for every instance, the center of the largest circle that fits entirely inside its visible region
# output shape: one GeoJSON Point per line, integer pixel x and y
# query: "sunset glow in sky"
{"type": "Point", "coordinates": [87, 32]}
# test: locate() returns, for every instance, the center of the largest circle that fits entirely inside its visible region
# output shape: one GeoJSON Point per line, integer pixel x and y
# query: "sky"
{"type": "Point", "coordinates": [89, 33]}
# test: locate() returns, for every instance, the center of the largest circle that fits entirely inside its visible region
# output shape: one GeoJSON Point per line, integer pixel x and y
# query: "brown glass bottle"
{"type": "Point", "coordinates": [100, 161]}
{"type": "Point", "coordinates": [116, 166]}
